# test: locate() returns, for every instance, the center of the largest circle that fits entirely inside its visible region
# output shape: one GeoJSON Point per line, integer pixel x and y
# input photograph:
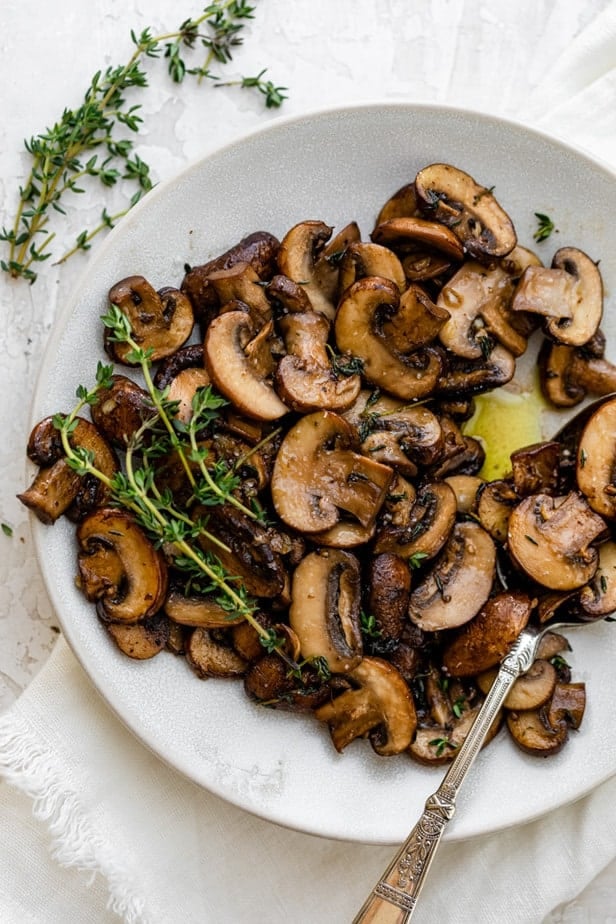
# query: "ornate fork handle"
{"type": "Point", "coordinates": [393, 899]}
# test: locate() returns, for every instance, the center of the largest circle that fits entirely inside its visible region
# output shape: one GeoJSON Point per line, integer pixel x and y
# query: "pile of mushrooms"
{"type": "Point", "coordinates": [350, 367]}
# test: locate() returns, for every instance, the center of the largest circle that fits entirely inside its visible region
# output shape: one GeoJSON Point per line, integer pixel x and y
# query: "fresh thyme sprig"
{"type": "Point", "coordinates": [545, 227]}
{"type": "Point", "coordinates": [90, 143]}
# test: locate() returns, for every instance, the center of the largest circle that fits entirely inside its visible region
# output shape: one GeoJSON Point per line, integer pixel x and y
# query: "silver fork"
{"type": "Point", "coordinates": [393, 899]}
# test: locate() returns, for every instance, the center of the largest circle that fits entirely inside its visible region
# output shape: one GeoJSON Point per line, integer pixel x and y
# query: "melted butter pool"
{"type": "Point", "coordinates": [505, 421]}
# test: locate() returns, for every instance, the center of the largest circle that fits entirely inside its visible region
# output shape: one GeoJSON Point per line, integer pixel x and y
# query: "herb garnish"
{"type": "Point", "coordinates": [545, 227]}
{"type": "Point", "coordinates": [89, 142]}
{"type": "Point", "coordinates": [440, 744]}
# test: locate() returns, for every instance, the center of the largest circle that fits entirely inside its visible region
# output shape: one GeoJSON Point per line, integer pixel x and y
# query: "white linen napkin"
{"type": "Point", "coordinates": [116, 833]}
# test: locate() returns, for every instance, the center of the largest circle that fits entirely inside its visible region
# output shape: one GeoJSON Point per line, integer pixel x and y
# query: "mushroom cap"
{"type": "Point", "coordinates": [459, 582]}
{"type": "Point", "coordinates": [228, 362]}
{"type": "Point", "coordinates": [412, 229]}
{"type": "Point", "coordinates": [363, 310]}
{"type": "Point", "coordinates": [549, 539]}
{"type": "Point", "coordinates": [596, 460]}
{"type": "Point", "coordinates": [451, 196]}
{"type": "Point", "coordinates": [325, 605]}
{"type": "Point", "coordinates": [161, 321]}
{"type": "Point", "coordinates": [587, 296]}
{"type": "Point", "coordinates": [381, 707]}
{"type": "Point", "coordinates": [119, 568]}
{"type": "Point", "coordinates": [299, 251]}
{"type": "Point", "coordinates": [317, 474]}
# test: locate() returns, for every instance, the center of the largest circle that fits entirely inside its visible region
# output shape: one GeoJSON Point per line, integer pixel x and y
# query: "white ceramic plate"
{"type": "Point", "coordinates": [335, 166]}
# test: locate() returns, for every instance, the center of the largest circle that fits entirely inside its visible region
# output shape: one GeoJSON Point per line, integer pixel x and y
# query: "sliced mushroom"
{"type": "Point", "coordinates": [299, 252]}
{"type": "Point", "coordinates": [530, 691]}
{"type": "Point", "coordinates": [549, 539]}
{"type": "Point", "coordinates": [57, 488]}
{"type": "Point", "coordinates": [325, 606]}
{"type": "Point", "coordinates": [241, 283]}
{"type": "Point", "coordinates": [495, 501]}
{"type": "Point", "coordinates": [569, 294]}
{"type": "Point", "coordinates": [485, 640]}
{"type": "Point", "coordinates": [287, 296]}
{"type": "Point", "coordinates": [543, 731]}
{"type": "Point", "coordinates": [305, 377]}
{"type": "Point", "coordinates": [161, 321]}
{"type": "Point", "coordinates": [381, 708]}
{"type": "Point", "coordinates": [417, 322]}
{"type": "Point", "coordinates": [568, 374]}
{"type": "Point", "coordinates": [211, 658]}
{"type": "Point", "coordinates": [466, 488]}
{"type": "Point", "coordinates": [183, 390]}
{"type": "Point", "coordinates": [535, 468]}
{"type": "Point", "coordinates": [199, 611]}
{"type": "Point", "coordinates": [452, 197]}
{"type": "Point", "coordinates": [362, 259]}
{"type": "Point", "coordinates": [269, 682]}
{"type": "Point", "coordinates": [459, 582]}
{"type": "Point", "coordinates": [318, 474]}
{"type": "Point", "coordinates": [328, 263]}
{"type": "Point", "coordinates": [187, 357]}
{"type": "Point", "coordinates": [596, 469]}
{"type": "Point", "coordinates": [119, 568]}
{"type": "Point", "coordinates": [239, 373]}
{"type": "Point", "coordinates": [418, 231]}
{"type": "Point", "coordinates": [428, 528]}
{"type": "Point", "coordinates": [258, 249]}
{"type": "Point", "coordinates": [402, 202]}
{"type": "Point", "coordinates": [363, 310]}
{"type": "Point", "coordinates": [396, 434]}
{"type": "Point", "coordinates": [120, 410]}
{"type": "Point", "coordinates": [598, 598]}
{"type": "Point", "coordinates": [389, 587]}
{"type": "Point", "coordinates": [470, 377]}
{"type": "Point", "coordinates": [248, 554]}
{"type": "Point", "coordinates": [434, 745]}
{"type": "Point", "coordinates": [141, 640]}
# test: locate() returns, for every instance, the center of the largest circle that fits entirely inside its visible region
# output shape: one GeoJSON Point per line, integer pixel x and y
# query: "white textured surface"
{"type": "Point", "coordinates": [497, 56]}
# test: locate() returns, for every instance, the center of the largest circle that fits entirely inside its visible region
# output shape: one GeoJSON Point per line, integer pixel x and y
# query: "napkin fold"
{"type": "Point", "coordinates": [98, 829]}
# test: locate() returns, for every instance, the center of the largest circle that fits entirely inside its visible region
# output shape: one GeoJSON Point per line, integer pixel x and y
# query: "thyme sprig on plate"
{"type": "Point", "coordinates": [94, 141]}
{"type": "Point", "coordinates": [135, 489]}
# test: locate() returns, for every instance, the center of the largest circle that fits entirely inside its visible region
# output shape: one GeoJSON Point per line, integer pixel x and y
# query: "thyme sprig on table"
{"type": "Point", "coordinates": [93, 141]}
{"type": "Point", "coordinates": [156, 511]}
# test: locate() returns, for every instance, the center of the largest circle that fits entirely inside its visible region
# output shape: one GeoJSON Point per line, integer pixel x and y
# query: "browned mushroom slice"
{"type": "Point", "coordinates": [161, 321]}
{"type": "Point", "coordinates": [268, 681]}
{"type": "Point", "coordinates": [57, 488]}
{"type": "Point", "coordinates": [248, 555]}
{"type": "Point", "coordinates": [549, 539]}
{"type": "Point", "coordinates": [477, 299]}
{"type": "Point", "coordinates": [327, 265]}
{"type": "Point", "coordinates": [241, 283]}
{"type": "Point", "coordinates": [595, 469]}
{"type": "Point", "coordinates": [258, 249]}
{"type": "Point", "coordinates": [402, 202]}
{"type": "Point", "coordinates": [395, 433]}
{"type": "Point", "coordinates": [417, 323]}
{"type": "Point", "coordinates": [187, 357]}
{"type": "Point", "coordinates": [199, 611]}
{"type": "Point", "coordinates": [389, 587]}
{"type": "Point", "coordinates": [345, 534]}
{"type": "Point", "coordinates": [466, 489]}
{"type": "Point", "coordinates": [598, 598]}
{"type": "Point", "coordinates": [434, 745]}
{"type": "Point", "coordinates": [568, 704]}
{"type": "Point", "coordinates": [569, 294]}
{"type": "Point", "coordinates": [381, 708]}
{"type": "Point", "coordinates": [240, 373]}
{"type": "Point", "coordinates": [530, 691]}
{"type": "Point", "coordinates": [305, 378]}
{"type": "Point", "coordinates": [535, 469]}
{"type": "Point", "coordinates": [325, 605]}
{"type": "Point", "coordinates": [362, 259]}
{"type": "Point", "coordinates": [452, 197]}
{"type": "Point", "coordinates": [429, 525]}
{"type": "Point", "coordinates": [141, 640]}
{"type": "Point", "coordinates": [299, 251]}
{"type": "Point", "coordinates": [485, 640]}
{"type": "Point", "coordinates": [470, 377]}
{"type": "Point", "coordinates": [568, 374]}
{"type": "Point", "coordinates": [211, 658]}
{"type": "Point", "coordinates": [495, 501]}
{"type": "Point", "coordinates": [287, 296]}
{"type": "Point", "coordinates": [183, 389]}
{"type": "Point", "coordinates": [363, 310]}
{"type": "Point", "coordinates": [318, 474]}
{"type": "Point", "coordinates": [531, 732]}
{"type": "Point", "coordinates": [418, 231]}
{"type": "Point", "coordinates": [119, 568]}
{"type": "Point", "coordinates": [121, 409]}
{"type": "Point", "coordinates": [459, 582]}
